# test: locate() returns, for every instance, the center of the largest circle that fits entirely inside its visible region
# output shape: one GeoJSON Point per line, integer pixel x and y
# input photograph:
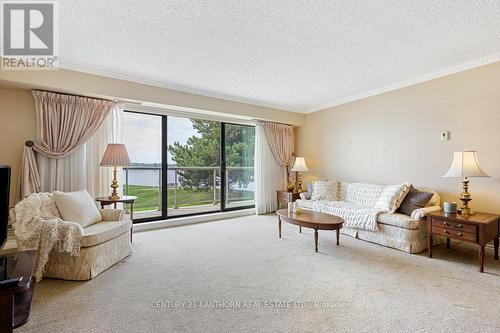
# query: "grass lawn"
{"type": "Point", "coordinates": [149, 197]}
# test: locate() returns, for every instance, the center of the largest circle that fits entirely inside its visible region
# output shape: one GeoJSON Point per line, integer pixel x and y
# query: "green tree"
{"type": "Point", "coordinates": [203, 150]}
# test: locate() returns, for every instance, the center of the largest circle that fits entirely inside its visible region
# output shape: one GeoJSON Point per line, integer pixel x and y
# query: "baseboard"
{"type": "Point", "coordinates": [176, 222]}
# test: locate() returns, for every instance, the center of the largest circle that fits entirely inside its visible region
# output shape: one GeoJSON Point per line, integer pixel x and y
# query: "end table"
{"type": "Point", "coordinates": [284, 197]}
{"type": "Point", "coordinates": [478, 229]}
{"type": "Point", "coordinates": [126, 199]}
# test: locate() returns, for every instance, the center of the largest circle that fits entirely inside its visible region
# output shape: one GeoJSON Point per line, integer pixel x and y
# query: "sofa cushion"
{"type": "Point", "coordinates": [391, 197]}
{"type": "Point", "coordinates": [399, 220]}
{"type": "Point", "coordinates": [415, 199]}
{"type": "Point", "coordinates": [109, 214]}
{"type": "Point", "coordinates": [363, 194]}
{"type": "Point", "coordinates": [305, 204]}
{"type": "Point", "coordinates": [325, 190]}
{"type": "Point", "coordinates": [104, 231]}
{"type": "Point", "coordinates": [77, 207]}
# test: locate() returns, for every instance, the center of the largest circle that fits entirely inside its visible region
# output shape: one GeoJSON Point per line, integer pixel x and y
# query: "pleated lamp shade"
{"type": "Point", "coordinates": [115, 155]}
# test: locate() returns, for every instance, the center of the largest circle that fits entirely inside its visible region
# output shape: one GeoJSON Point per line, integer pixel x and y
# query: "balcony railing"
{"type": "Point", "coordinates": [153, 183]}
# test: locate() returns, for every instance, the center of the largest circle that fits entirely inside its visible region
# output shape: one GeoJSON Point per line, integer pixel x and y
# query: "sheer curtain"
{"type": "Point", "coordinates": [81, 169]}
{"type": "Point", "coordinates": [269, 175]}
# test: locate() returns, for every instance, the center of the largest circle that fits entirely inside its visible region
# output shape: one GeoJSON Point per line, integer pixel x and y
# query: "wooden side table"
{"type": "Point", "coordinates": [126, 199]}
{"type": "Point", "coordinates": [479, 229]}
{"type": "Point", "coordinates": [284, 197]}
{"type": "Point", "coordinates": [15, 302]}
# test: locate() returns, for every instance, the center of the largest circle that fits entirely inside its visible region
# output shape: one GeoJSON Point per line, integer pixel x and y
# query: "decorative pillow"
{"type": "Point", "coordinates": [391, 197]}
{"type": "Point", "coordinates": [307, 195]}
{"type": "Point", "coordinates": [415, 199]}
{"type": "Point", "coordinates": [325, 190]}
{"type": "Point", "coordinates": [77, 207]}
{"type": "Point", "coordinates": [435, 200]}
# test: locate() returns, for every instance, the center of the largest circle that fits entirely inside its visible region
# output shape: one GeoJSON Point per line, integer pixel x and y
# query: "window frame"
{"type": "Point", "coordinates": [164, 170]}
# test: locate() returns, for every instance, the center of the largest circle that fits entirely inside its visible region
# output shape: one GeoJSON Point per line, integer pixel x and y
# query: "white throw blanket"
{"type": "Point", "coordinates": [38, 226]}
{"type": "Point", "coordinates": [354, 215]}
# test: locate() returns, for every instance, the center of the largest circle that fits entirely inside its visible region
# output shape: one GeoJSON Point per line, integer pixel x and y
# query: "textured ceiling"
{"type": "Point", "coordinates": [293, 55]}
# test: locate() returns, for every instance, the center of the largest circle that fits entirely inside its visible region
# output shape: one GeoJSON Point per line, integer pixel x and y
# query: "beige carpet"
{"type": "Point", "coordinates": [220, 265]}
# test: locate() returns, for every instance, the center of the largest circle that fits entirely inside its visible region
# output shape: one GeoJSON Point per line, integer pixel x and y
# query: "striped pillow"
{"type": "Point", "coordinates": [392, 196]}
{"type": "Point", "coordinates": [325, 190]}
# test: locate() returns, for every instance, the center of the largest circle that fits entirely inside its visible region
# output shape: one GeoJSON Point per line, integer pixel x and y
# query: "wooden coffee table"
{"type": "Point", "coordinates": [313, 220]}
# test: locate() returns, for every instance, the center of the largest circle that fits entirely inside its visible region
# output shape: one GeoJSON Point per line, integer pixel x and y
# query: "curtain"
{"type": "Point", "coordinates": [281, 140]}
{"type": "Point", "coordinates": [81, 169]}
{"type": "Point", "coordinates": [29, 182]}
{"type": "Point", "coordinates": [64, 124]}
{"type": "Point", "coordinates": [269, 175]}
{"type": "Point", "coordinates": [111, 131]}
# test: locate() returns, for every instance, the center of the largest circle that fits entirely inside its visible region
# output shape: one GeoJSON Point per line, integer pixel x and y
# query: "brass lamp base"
{"type": "Point", "coordinates": [299, 185]}
{"type": "Point", "coordinates": [114, 185]}
{"type": "Point", "coordinates": [465, 197]}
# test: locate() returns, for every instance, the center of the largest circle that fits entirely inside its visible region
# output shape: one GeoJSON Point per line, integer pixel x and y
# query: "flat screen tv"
{"type": "Point", "coordinates": [4, 202]}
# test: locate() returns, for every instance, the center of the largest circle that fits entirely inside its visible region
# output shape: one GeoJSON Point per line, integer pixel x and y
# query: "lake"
{"type": "Point", "coordinates": [152, 178]}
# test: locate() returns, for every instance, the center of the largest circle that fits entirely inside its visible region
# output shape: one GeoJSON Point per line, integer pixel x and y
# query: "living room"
{"type": "Point", "coordinates": [250, 166]}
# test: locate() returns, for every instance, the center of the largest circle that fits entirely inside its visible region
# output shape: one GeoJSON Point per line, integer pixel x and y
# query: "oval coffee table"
{"type": "Point", "coordinates": [313, 220]}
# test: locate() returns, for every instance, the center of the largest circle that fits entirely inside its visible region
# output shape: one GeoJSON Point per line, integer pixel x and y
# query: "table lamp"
{"type": "Point", "coordinates": [115, 156]}
{"type": "Point", "coordinates": [465, 165]}
{"type": "Point", "coordinates": [300, 166]}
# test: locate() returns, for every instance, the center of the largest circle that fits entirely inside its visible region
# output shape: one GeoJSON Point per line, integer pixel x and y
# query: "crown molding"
{"type": "Point", "coordinates": [122, 75]}
{"type": "Point", "coordinates": [406, 83]}
{"type": "Point", "coordinates": [78, 66]}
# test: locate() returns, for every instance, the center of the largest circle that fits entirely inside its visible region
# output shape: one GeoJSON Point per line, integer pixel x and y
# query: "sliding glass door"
{"type": "Point", "coordinates": [193, 166]}
{"type": "Point", "coordinates": [143, 138]}
{"type": "Point", "coordinates": [239, 152]}
{"type": "Point", "coordinates": [183, 166]}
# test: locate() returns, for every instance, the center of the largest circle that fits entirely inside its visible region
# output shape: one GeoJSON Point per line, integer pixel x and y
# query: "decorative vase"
{"type": "Point", "coordinates": [290, 187]}
{"type": "Point", "coordinates": [450, 207]}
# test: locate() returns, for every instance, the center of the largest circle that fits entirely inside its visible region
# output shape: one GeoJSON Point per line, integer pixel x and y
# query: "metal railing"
{"type": "Point", "coordinates": [175, 185]}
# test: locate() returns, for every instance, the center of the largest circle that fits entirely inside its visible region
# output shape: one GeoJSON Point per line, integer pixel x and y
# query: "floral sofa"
{"type": "Point", "coordinates": [370, 212]}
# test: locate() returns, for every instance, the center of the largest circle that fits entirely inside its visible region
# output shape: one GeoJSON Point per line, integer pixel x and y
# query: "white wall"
{"type": "Point", "coordinates": [17, 124]}
{"type": "Point", "coordinates": [394, 137]}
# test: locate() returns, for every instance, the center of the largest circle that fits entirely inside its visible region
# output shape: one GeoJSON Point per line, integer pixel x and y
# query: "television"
{"type": "Point", "coordinates": [4, 202]}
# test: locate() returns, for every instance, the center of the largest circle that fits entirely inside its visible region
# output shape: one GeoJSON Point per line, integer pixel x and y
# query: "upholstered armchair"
{"type": "Point", "coordinates": [103, 245]}
{"type": "Point", "coordinates": [105, 240]}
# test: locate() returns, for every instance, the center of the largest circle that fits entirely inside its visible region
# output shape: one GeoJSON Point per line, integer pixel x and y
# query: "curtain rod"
{"type": "Point", "coordinates": [76, 95]}
{"type": "Point", "coordinates": [274, 122]}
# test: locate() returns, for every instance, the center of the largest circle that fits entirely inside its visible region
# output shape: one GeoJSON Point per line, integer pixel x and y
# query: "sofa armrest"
{"type": "Point", "coordinates": [305, 196]}
{"type": "Point", "coordinates": [421, 212]}
{"type": "Point", "coordinates": [112, 214]}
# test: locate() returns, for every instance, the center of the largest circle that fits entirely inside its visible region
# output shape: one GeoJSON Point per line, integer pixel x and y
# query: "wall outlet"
{"type": "Point", "coordinates": [445, 136]}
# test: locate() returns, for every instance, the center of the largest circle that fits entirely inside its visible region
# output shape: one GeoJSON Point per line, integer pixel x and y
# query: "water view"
{"type": "Point", "coordinates": [193, 154]}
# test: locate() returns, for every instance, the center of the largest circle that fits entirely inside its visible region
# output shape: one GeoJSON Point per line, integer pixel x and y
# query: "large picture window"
{"type": "Point", "coordinates": [185, 166]}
